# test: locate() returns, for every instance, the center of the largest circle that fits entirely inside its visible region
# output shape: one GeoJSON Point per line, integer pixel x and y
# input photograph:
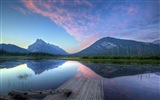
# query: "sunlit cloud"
{"type": "Point", "coordinates": [21, 10]}
{"type": "Point", "coordinates": [74, 22]}
{"type": "Point", "coordinates": [88, 21]}
{"type": "Point", "coordinates": [132, 10]}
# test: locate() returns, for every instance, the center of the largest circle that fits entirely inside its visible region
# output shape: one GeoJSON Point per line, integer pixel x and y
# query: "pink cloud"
{"type": "Point", "coordinates": [79, 20]}
{"type": "Point", "coordinates": [21, 10]}
{"type": "Point", "coordinates": [48, 6]}
{"type": "Point", "coordinates": [87, 22]}
{"type": "Point", "coordinates": [84, 2]}
{"type": "Point", "coordinates": [86, 72]}
{"type": "Point", "coordinates": [89, 39]}
{"type": "Point", "coordinates": [132, 10]}
{"type": "Point", "coordinates": [125, 24]}
{"type": "Point", "coordinates": [88, 3]}
{"type": "Point", "coordinates": [72, 22]}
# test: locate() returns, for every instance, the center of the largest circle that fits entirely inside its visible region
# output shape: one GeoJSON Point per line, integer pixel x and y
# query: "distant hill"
{"type": "Point", "coordinates": [41, 46]}
{"type": "Point", "coordinates": [109, 46]}
{"type": "Point", "coordinates": [156, 42]}
{"type": "Point", "coordinates": [12, 48]}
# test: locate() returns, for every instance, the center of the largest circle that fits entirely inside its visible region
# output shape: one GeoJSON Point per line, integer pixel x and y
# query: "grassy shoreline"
{"type": "Point", "coordinates": [116, 59]}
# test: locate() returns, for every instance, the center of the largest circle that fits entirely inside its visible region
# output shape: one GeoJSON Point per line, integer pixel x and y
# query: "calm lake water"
{"type": "Point", "coordinates": [133, 82]}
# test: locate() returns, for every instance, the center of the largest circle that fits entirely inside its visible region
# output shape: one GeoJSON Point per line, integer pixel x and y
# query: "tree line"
{"type": "Point", "coordinates": [5, 53]}
{"type": "Point", "coordinates": [155, 57]}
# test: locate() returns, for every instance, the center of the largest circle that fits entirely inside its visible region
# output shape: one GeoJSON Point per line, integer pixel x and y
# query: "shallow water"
{"type": "Point", "coordinates": [120, 81]}
{"type": "Point", "coordinates": [136, 87]}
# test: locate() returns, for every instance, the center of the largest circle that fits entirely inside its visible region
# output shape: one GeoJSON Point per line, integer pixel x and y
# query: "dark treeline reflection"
{"type": "Point", "coordinates": [11, 63]}
{"type": "Point", "coordinates": [115, 70]}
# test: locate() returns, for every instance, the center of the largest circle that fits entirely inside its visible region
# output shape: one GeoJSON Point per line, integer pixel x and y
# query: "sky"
{"type": "Point", "coordinates": [75, 24]}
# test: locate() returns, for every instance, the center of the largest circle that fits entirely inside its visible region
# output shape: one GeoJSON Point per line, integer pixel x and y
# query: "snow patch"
{"type": "Point", "coordinates": [108, 45]}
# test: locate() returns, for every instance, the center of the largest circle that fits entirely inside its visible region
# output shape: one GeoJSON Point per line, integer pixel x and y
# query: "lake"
{"type": "Point", "coordinates": [140, 82]}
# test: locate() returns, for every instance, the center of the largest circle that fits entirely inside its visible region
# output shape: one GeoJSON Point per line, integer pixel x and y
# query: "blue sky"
{"type": "Point", "coordinates": [75, 24]}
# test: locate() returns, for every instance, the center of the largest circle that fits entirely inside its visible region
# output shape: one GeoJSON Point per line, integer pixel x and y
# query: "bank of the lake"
{"type": "Point", "coordinates": [115, 59]}
{"type": "Point", "coordinates": [118, 59]}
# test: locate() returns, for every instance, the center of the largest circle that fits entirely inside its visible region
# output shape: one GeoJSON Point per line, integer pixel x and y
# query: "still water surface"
{"type": "Point", "coordinates": [120, 81]}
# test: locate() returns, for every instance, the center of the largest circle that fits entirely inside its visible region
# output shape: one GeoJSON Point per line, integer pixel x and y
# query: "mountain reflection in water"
{"type": "Point", "coordinates": [129, 82]}
{"type": "Point", "coordinates": [39, 66]}
{"type": "Point", "coordinates": [124, 82]}
{"type": "Point", "coordinates": [136, 87]}
{"type": "Point", "coordinates": [41, 74]}
{"type": "Point", "coordinates": [115, 70]}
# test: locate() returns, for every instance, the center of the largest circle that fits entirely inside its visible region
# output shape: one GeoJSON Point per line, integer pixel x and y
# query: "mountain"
{"type": "Point", "coordinates": [12, 48]}
{"type": "Point", "coordinates": [156, 42]}
{"type": "Point", "coordinates": [109, 46]}
{"type": "Point", "coordinates": [41, 46]}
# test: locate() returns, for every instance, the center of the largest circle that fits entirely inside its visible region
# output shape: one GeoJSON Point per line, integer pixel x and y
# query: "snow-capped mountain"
{"type": "Point", "coordinates": [156, 42]}
{"type": "Point", "coordinates": [112, 46]}
{"type": "Point", "coordinates": [41, 46]}
{"type": "Point", "coordinates": [12, 48]}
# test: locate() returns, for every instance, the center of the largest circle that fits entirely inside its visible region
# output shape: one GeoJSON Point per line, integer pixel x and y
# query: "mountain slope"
{"type": "Point", "coordinates": [12, 48]}
{"type": "Point", "coordinates": [41, 46]}
{"type": "Point", "coordinates": [156, 42]}
{"type": "Point", "coordinates": [109, 46]}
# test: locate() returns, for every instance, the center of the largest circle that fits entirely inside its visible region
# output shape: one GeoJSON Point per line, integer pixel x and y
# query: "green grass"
{"type": "Point", "coordinates": [115, 59]}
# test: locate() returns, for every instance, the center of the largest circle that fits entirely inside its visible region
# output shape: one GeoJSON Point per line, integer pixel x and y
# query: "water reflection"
{"type": "Point", "coordinates": [24, 76]}
{"type": "Point", "coordinates": [120, 81]}
{"type": "Point", "coordinates": [136, 87]}
{"type": "Point", "coordinates": [42, 74]}
{"type": "Point", "coordinates": [9, 78]}
{"type": "Point", "coordinates": [84, 71]}
{"type": "Point", "coordinates": [11, 63]}
{"type": "Point", "coordinates": [113, 70]}
{"type": "Point", "coordinates": [39, 66]}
